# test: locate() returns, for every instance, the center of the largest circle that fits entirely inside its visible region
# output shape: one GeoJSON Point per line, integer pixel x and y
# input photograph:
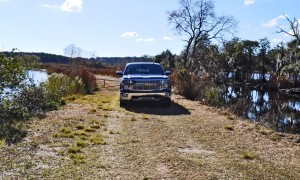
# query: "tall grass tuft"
{"type": "Point", "coordinates": [212, 96]}
{"type": "Point", "coordinates": [60, 85]}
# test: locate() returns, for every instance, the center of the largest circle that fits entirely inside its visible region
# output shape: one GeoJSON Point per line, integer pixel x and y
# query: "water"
{"type": "Point", "coordinates": [273, 108]}
{"type": "Point", "coordinates": [254, 76]}
{"type": "Point", "coordinates": [33, 76]}
{"type": "Point", "coordinates": [37, 76]}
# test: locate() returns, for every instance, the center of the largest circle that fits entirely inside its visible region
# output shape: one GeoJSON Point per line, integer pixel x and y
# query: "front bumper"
{"type": "Point", "coordinates": [145, 96]}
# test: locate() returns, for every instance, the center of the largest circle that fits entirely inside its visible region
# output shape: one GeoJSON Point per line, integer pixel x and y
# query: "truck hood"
{"type": "Point", "coordinates": [144, 76]}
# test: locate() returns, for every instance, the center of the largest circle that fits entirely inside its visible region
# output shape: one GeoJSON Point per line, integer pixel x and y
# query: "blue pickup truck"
{"type": "Point", "coordinates": [144, 81]}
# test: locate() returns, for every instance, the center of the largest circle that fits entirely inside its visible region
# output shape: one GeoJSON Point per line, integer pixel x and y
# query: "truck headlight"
{"type": "Point", "coordinates": [165, 84]}
{"type": "Point", "coordinates": [125, 84]}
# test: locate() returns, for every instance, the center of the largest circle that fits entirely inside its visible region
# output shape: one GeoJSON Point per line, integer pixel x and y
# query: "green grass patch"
{"type": "Point", "coordinates": [113, 132]}
{"type": "Point", "coordinates": [72, 98]}
{"type": "Point", "coordinates": [63, 135]}
{"type": "Point", "coordinates": [80, 126]}
{"type": "Point", "coordinates": [275, 137]}
{"type": "Point", "coordinates": [74, 149]}
{"type": "Point", "coordinates": [95, 126]}
{"type": "Point", "coordinates": [100, 105]}
{"type": "Point", "coordinates": [89, 129]}
{"type": "Point", "coordinates": [80, 133]}
{"type": "Point", "coordinates": [107, 108]}
{"type": "Point", "coordinates": [77, 158]}
{"type": "Point", "coordinates": [249, 156]}
{"type": "Point", "coordinates": [98, 139]}
{"type": "Point", "coordinates": [229, 127]}
{"type": "Point", "coordinates": [92, 111]}
{"type": "Point", "coordinates": [65, 130]}
{"type": "Point", "coordinates": [133, 118]}
{"type": "Point", "coordinates": [81, 143]}
{"type": "Point", "coordinates": [145, 117]}
{"type": "Point", "coordinates": [2, 143]}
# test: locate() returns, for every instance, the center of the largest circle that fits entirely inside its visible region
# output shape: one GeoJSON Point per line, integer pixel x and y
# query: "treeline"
{"type": "Point", "coordinates": [122, 61]}
{"type": "Point", "coordinates": [106, 61]}
{"type": "Point", "coordinates": [44, 57]}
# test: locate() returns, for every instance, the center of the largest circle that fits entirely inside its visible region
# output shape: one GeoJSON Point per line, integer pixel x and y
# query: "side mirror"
{"type": "Point", "coordinates": [119, 73]}
{"type": "Point", "coordinates": [168, 73]}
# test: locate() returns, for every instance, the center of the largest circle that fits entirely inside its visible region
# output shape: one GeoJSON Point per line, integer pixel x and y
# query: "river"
{"type": "Point", "coordinates": [275, 109]}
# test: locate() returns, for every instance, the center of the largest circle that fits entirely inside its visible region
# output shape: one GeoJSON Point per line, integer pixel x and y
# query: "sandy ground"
{"type": "Point", "coordinates": [147, 141]}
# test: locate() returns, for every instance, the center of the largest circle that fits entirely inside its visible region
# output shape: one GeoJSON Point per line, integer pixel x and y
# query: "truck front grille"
{"type": "Point", "coordinates": [146, 85]}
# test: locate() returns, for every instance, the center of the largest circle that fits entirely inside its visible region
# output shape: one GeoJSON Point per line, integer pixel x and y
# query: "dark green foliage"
{"type": "Point", "coordinates": [10, 132]}
{"type": "Point", "coordinates": [12, 73]}
{"type": "Point", "coordinates": [44, 57]}
{"type": "Point", "coordinates": [62, 101]}
{"type": "Point", "coordinates": [12, 110]}
{"type": "Point", "coordinates": [166, 59]}
{"type": "Point", "coordinates": [52, 105]}
{"type": "Point", "coordinates": [33, 98]}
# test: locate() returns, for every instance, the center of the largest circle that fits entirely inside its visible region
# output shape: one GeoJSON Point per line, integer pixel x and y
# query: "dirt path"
{"type": "Point", "coordinates": [93, 138]}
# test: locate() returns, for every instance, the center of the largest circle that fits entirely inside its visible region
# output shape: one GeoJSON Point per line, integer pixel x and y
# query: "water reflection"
{"type": "Point", "coordinates": [37, 76]}
{"type": "Point", "coordinates": [277, 110]}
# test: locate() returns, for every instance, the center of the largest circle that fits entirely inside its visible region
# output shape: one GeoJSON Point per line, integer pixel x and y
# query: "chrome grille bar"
{"type": "Point", "coordinates": [146, 85]}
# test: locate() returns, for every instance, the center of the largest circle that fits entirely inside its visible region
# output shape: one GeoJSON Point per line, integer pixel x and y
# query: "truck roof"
{"type": "Point", "coordinates": [143, 63]}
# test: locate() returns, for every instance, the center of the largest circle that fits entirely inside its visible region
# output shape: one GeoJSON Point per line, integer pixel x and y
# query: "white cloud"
{"type": "Point", "coordinates": [3, 0]}
{"type": "Point", "coordinates": [150, 40]}
{"type": "Point", "coordinates": [49, 6]}
{"type": "Point", "coordinates": [249, 2]}
{"type": "Point", "coordinates": [276, 40]}
{"type": "Point", "coordinates": [72, 5]}
{"type": "Point", "coordinates": [139, 39]}
{"type": "Point", "coordinates": [166, 38]}
{"type": "Point", "coordinates": [273, 22]}
{"type": "Point", "coordinates": [130, 35]}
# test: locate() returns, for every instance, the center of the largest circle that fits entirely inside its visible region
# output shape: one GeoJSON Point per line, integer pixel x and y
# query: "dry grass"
{"type": "Point", "coordinates": [187, 141]}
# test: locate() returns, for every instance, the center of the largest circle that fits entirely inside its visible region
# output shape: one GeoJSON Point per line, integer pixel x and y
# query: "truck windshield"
{"type": "Point", "coordinates": [143, 69]}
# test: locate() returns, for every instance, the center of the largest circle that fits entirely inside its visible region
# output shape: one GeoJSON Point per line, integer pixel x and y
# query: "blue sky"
{"type": "Point", "coordinates": [125, 27]}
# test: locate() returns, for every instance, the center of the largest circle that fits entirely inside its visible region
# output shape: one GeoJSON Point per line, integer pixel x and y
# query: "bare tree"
{"type": "Point", "coordinates": [294, 28]}
{"type": "Point", "coordinates": [196, 19]}
{"type": "Point", "coordinates": [72, 51]}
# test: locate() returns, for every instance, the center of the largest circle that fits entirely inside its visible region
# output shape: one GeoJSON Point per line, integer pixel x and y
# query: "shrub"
{"type": "Point", "coordinates": [212, 96]}
{"type": "Point", "coordinates": [33, 98]}
{"type": "Point", "coordinates": [189, 85]}
{"type": "Point", "coordinates": [60, 85]}
{"type": "Point", "coordinates": [52, 105]}
{"type": "Point", "coordinates": [184, 84]}
{"type": "Point", "coordinates": [88, 79]}
{"type": "Point", "coordinates": [12, 110]}
{"type": "Point", "coordinates": [78, 73]}
{"type": "Point", "coordinates": [62, 101]}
